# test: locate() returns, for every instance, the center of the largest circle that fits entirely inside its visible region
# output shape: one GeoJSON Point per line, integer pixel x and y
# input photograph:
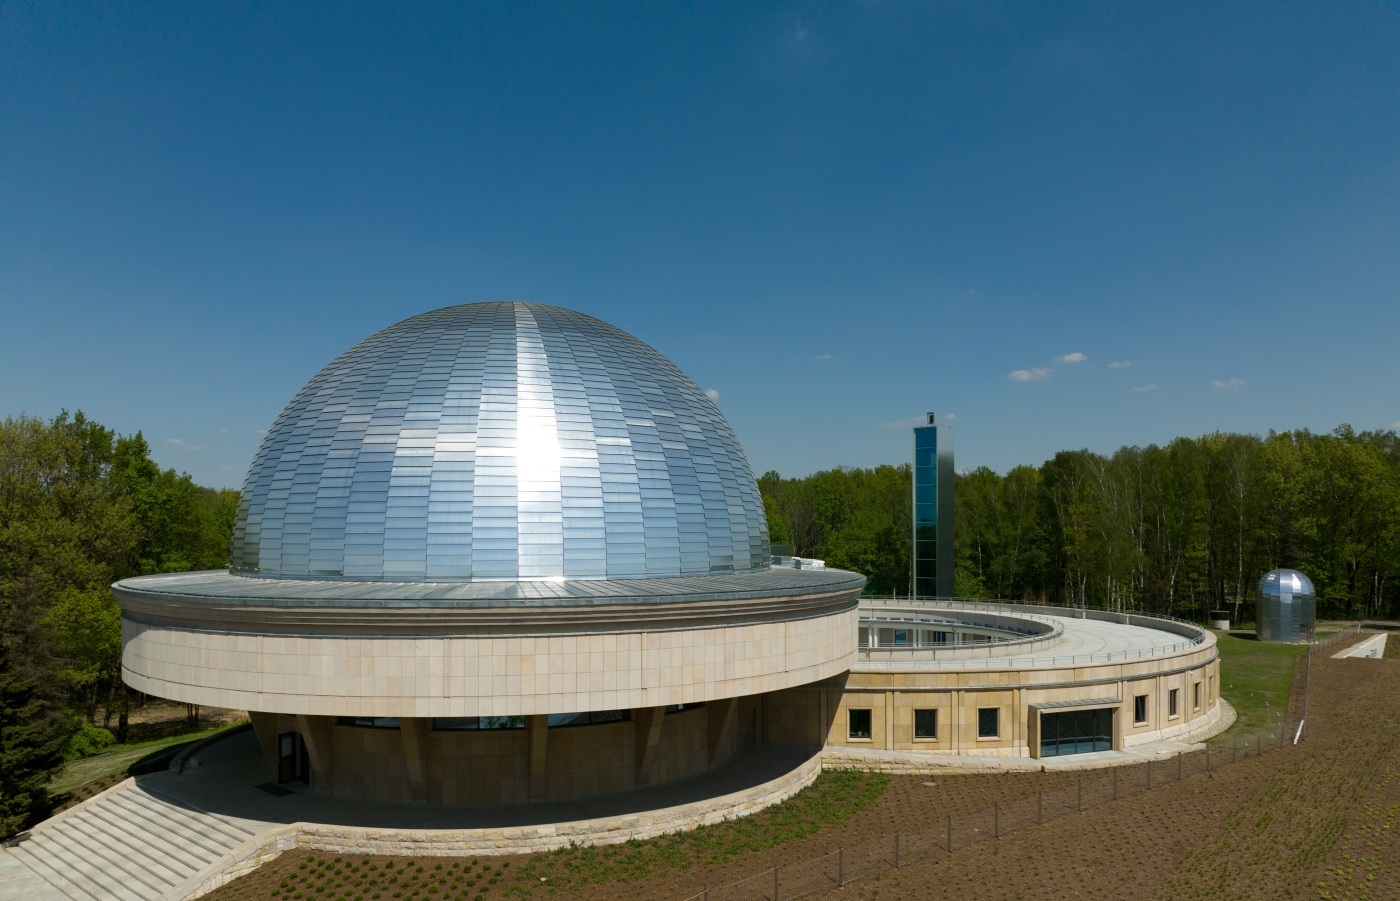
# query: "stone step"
{"type": "Point", "coordinates": [125, 852]}
{"type": "Point", "coordinates": [176, 857]}
{"type": "Point", "coordinates": [151, 821]}
{"type": "Point", "coordinates": [178, 826]}
{"type": "Point", "coordinates": [211, 823]}
{"type": "Point", "coordinates": [69, 851]}
{"type": "Point", "coordinates": [41, 865]}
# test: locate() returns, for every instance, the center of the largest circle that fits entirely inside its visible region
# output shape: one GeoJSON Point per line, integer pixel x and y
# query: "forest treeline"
{"type": "Point", "coordinates": [80, 507]}
{"type": "Point", "coordinates": [1180, 529]}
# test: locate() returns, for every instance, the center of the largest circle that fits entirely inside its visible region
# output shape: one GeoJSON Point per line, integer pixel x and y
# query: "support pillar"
{"type": "Point", "coordinates": [724, 722]}
{"type": "Point", "coordinates": [538, 728]}
{"type": "Point", "coordinates": [265, 728]}
{"type": "Point", "coordinates": [649, 720]}
{"type": "Point", "coordinates": [413, 743]}
{"type": "Point", "coordinates": [316, 734]}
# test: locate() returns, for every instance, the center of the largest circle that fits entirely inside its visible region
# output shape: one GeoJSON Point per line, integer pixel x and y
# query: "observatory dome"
{"type": "Point", "coordinates": [499, 441]}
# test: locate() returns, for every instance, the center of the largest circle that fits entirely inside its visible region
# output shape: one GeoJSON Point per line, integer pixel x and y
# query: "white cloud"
{"type": "Point", "coordinates": [227, 467]}
{"type": "Point", "coordinates": [951, 416]}
{"type": "Point", "coordinates": [1029, 375]}
{"type": "Point", "coordinates": [193, 448]}
{"type": "Point", "coordinates": [822, 358]}
{"type": "Point", "coordinates": [174, 442]}
{"type": "Point", "coordinates": [1119, 364]}
{"type": "Point", "coordinates": [261, 433]}
{"type": "Point", "coordinates": [904, 423]}
{"type": "Point", "coordinates": [712, 394]}
{"type": "Point", "coordinates": [1067, 359]}
{"type": "Point", "coordinates": [1231, 384]}
{"type": "Point", "coordinates": [219, 433]}
{"type": "Point", "coordinates": [1141, 388]}
{"type": "Point", "coordinates": [1396, 426]}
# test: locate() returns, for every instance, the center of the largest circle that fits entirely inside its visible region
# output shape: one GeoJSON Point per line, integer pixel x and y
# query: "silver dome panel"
{"type": "Point", "coordinates": [499, 441]}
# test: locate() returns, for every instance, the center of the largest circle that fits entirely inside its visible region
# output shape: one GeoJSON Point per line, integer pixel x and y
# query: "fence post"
{"type": "Point", "coordinates": [896, 849]}
{"type": "Point", "coordinates": [950, 833]}
{"type": "Point", "coordinates": [1178, 766]}
{"type": "Point", "coordinates": [1079, 797]}
{"type": "Point", "coordinates": [840, 867]}
{"type": "Point", "coordinates": [1149, 773]}
{"type": "Point", "coordinates": [1115, 783]}
{"type": "Point", "coordinates": [1039, 807]}
{"type": "Point", "coordinates": [776, 896]}
{"type": "Point", "coordinates": [996, 819]}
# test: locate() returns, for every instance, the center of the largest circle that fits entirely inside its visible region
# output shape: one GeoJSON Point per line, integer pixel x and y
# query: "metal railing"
{"type": "Point", "coordinates": [1018, 608]}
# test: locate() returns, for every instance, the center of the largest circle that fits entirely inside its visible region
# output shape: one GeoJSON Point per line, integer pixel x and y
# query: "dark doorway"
{"type": "Point", "coordinates": [293, 763]}
{"type": "Point", "coordinates": [1076, 732]}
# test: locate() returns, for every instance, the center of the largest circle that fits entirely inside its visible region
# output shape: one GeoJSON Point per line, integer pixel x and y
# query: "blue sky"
{"type": "Point", "coordinates": [835, 215]}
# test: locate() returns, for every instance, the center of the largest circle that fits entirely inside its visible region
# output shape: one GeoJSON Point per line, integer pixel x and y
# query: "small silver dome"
{"type": "Point", "coordinates": [1286, 607]}
{"type": "Point", "coordinates": [500, 441]}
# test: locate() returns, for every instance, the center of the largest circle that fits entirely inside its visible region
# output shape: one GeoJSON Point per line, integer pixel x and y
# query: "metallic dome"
{"type": "Point", "coordinates": [1286, 607]}
{"type": "Point", "coordinates": [505, 441]}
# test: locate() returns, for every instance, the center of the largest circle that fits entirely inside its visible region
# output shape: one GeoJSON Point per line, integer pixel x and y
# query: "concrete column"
{"type": "Point", "coordinates": [889, 721]}
{"type": "Point", "coordinates": [316, 733]}
{"type": "Point", "coordinates": [537, 726]}
{"type": "Point", "coordinates": [648, 735]}
{"type": "Point", "coordinates": [265, 727]}
{"type": "Point", "coordinates": [413, 743]}
{"type": "Point", "coordinates": [724, 723]}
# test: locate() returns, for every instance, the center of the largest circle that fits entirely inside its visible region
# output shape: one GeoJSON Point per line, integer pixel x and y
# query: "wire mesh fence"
{"type": "Point", "coordinates": [891, 852]}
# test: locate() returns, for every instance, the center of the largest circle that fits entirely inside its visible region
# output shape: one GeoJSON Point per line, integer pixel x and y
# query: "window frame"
{"type": "Point", "coordinates": [851, 713]}
{"type": "Point", "coordinates": [1196, 695]}
{"type": "Point", "coordinates": [1140, 711]}
{"type": "Point", "coordinates": [933, 734]}
{"type": "Point", "coordinates": [981, 733]}
{"type": "Point", "coordinates": [1173, 703]}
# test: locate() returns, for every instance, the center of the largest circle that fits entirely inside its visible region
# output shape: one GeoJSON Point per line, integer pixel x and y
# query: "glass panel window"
{"type": "Point", "coordinates": [988, 722]}
{"type": "Point", "coordinates": [926, 724]}
{"type": "Point", "coordinates": [369, 722]}
{"type": "Point", "coordinates": [1139, 709]}
{"type": "Point", "coordinates": [858, 723]}
{"type": "Point", "coordinates": [1196, 696]}
{"type": "Point", "coordinates": [1171, 702]}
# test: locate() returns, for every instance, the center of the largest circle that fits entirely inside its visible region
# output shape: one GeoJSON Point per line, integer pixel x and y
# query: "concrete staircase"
{"type": "Point", "coordinates": [126, 844]}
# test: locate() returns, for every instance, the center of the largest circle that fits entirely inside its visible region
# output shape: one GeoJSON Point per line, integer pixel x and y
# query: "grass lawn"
{"type": "Point", "coordinates": [116, 759]}
{"type": "Point", "coordinates": [1255, 677]}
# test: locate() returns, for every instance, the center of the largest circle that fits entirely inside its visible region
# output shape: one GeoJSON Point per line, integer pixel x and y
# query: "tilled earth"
{"type": "Point", "coordinates": [1316, 820]}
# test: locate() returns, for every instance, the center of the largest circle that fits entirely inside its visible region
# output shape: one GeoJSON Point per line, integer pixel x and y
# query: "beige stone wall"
{"type": "Point", "coordinates": [482, 675]}
{"type": "Point", "coordinates": [819, 714]}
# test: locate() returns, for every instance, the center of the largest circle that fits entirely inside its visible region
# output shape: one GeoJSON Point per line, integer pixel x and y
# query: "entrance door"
{"type": "Point", "coordinates": [1076, 732]}
{"type": "Point", "coordinates": [290, 754]}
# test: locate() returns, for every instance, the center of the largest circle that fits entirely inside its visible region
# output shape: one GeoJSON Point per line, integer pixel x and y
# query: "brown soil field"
{"type": "Point", "coordinates": [1316, 820]}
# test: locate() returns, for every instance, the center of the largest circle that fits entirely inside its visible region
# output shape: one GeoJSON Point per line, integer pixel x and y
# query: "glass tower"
{"type": "Point", "coordinates": [933, 510]}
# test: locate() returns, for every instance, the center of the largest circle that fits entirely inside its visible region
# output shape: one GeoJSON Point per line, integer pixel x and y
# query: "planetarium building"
{"type": "Point", "coordinates": [503, 553]}
{"type": "Point", "coordinates": [495, 553]}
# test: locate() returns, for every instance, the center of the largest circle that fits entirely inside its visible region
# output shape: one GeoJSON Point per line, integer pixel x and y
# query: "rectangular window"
{"type": "Point", "coordinates": [1139, 710]}
{"type": "Point", "coordinates": [859, 723]}
{"type": "Point", "coordinates": [1171, 702]}
{"type": "Point", "coordinates": [1196, 696]}
{"type": "Point", "coordinates": [925, 723]}
{"type": "Point", "coordinates": [369, 722]}
{"type": "Point", "coordinates": [459, 723]}
{"type": "Point", "coordinates": [988, 722]}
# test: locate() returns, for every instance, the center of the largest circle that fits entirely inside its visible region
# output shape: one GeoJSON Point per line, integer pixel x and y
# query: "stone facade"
{"type": "Point", "coordinates": [820, 714]}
